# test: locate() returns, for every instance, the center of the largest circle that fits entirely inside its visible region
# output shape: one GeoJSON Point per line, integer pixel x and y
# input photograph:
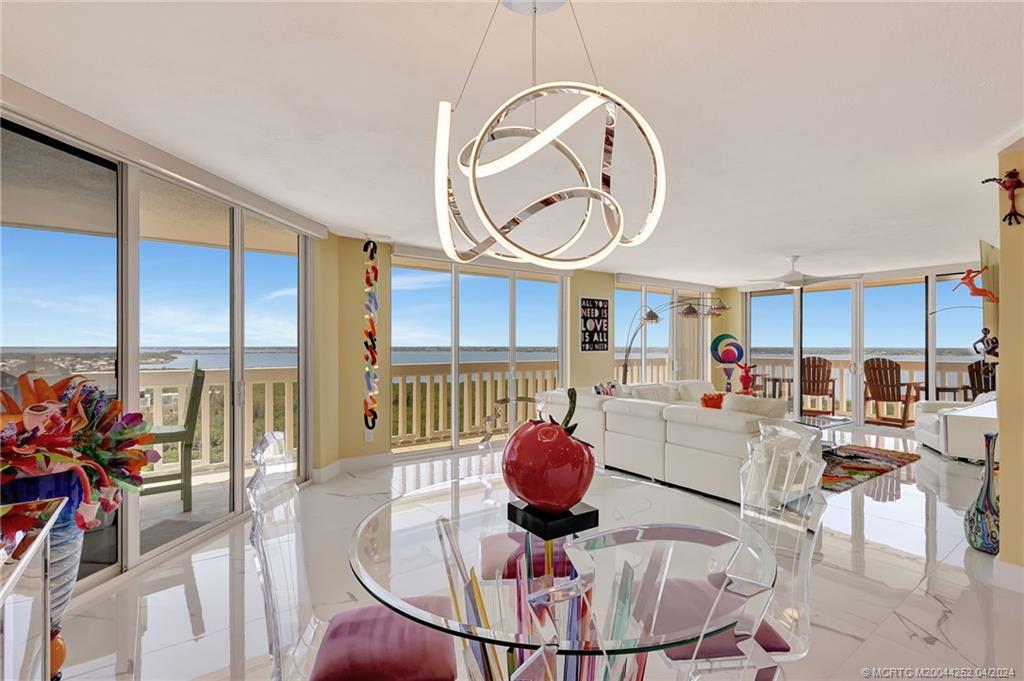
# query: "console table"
{"type": "Point", "coordinates": [24, 593]}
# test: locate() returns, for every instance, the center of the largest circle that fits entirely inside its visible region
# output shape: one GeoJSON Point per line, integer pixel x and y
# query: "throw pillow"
{"type": "Point", "coordinates": [691, 390]}
{"type": "Point", "coordinates": [773, 409]}
{"type": "Point", "coordinates": [712, 400]}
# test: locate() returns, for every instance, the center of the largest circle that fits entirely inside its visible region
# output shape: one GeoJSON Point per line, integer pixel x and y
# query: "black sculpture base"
{"type": "Point", "coordinates": [550, 526]}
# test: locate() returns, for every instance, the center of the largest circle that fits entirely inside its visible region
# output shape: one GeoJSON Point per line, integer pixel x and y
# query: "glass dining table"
{"type": "Point", "coordinates": [663, 568]}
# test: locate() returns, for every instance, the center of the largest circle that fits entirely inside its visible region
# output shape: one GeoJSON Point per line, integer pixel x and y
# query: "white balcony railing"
{"type": "Point", "coordinates": [421, 397]}
{"type": "Point", "coordinates": [164, 395]}
{"type": "Point", "coordinates": [776, 377]}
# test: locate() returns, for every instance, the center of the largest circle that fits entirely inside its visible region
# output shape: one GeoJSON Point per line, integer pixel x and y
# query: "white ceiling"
{"type": "Point", "coordinates": [853, 134]}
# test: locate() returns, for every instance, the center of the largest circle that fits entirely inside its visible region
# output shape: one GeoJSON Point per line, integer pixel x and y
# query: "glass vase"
{"type": "Point", "coordinates": [981, 522]}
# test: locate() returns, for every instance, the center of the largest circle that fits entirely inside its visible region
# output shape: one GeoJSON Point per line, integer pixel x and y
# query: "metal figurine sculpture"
{"type": "Point", "coordinates": [746, 380]}
{"type": "Point", "coordinates": [1010, 183]}
{"type": "Point", "coordinates": [371, 307]}
{"type": "Point", "coordinates": [975, 290]}
{"type": "Point", "coordinates": [989, 345]}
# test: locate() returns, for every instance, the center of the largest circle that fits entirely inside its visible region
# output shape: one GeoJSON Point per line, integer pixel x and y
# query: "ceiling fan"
{"type": "Point", "coordinates": [795, 279]}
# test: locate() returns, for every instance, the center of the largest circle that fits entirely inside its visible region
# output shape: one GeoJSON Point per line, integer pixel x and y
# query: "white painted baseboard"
{"type": "Point", "coordinates": [355, 463]}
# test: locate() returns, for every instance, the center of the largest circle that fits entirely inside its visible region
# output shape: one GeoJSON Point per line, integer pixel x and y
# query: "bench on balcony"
{"type": "Point", "coordinates": [184, 435]}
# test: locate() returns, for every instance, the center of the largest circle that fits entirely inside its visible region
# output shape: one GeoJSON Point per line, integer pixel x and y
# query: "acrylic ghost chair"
{"type": "Point", "coordinates": [780, 498]}
{"type": "Point", "coordinates": [370, 642]}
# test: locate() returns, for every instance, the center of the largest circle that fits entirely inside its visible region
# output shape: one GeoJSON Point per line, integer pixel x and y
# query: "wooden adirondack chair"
{"type": "Point", "coordinates": [883, 383]}
{"type": "Point", "coordinates": [184, 434]}
{"type": "Point", "coordinates": [982, 377]}
{"type": "Point", "coordinates": [816, 381]}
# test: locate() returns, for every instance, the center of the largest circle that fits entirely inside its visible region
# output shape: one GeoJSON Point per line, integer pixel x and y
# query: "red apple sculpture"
{"type": "Point", "coordinates": [545, 466]}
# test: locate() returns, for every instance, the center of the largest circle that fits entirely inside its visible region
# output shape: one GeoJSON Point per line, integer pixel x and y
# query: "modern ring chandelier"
{"type": "Point", "coordinates": [499, 242]}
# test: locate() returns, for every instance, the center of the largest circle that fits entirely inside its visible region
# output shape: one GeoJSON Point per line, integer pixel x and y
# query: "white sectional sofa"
{"type": "Point", "coordinates": [704, 448]}
{"type": "Point", "coordinates": [634, 436]}
{"type": "Point", "coordinates": [660, 431]}
{"type": "Point", "coordinates": [589, 415]}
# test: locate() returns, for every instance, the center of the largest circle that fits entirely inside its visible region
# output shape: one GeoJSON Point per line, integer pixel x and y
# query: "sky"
{"type": "Point", "coordinates": [894, 316]}
{"type": "Point", "coordinates": [421, 310]}
{"type": "Point", "coordinates": [60, 289]}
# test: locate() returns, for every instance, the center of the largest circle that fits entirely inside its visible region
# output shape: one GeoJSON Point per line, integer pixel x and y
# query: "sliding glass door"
{"type": "Point", "coordinates": [772, 345]}
{"type": "Point", "coordinates": [895, 362]}
{"type": "Point", "coordinates": [484, 372]}
{"type": "Point", "coordinates": [421, 355]}
{"type": "Point", "coordinates": [958, 322]}
{"type": "Point", "coordinates": [271, 373]}
{"type": "Point", "coordinates": [827, 380]}
{"type": "Point", "coordinates": [657, 358]}
{"type": "Point", "coordinates": [58, 278]}
{"type": "Point", "coordinates": [185, 358]}
{"type": "Point", "coordinates": [537, 327]}
{"type": "Point", "coordinates": [505, 338]}
{"type": "Point", "coordinates": [136, 282]}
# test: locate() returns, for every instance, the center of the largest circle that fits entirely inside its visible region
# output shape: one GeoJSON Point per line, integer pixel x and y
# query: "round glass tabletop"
{"type": "Point", "coordinates": [661, 567]}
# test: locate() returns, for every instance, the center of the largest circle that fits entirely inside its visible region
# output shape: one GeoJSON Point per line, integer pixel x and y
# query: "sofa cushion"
{"type": "Point", "coordinates": [658, 393]}
{"type": "Point", "coordinates": [584, 399]}
{"type": "Point", "coordinates": [640, 408]}
{"type": "Point", "coordinates": [762, 406]}
{"type": "Point", "coordinates": [730, 421]}
{"type": "Point", "coordinates": [698, 438]}
{"type": "Point", "coordinates": [691, 390]}
{"type": "Point", "coordinates": [928, 422]}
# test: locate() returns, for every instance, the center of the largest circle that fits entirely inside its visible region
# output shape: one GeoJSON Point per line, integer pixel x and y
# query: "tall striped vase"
{"type": "Point", "coordinates": [981, 522]}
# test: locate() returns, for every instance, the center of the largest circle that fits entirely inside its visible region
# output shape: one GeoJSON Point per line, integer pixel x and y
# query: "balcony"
{"type": "Point", "coordinates": [163, 398]}
{"type": "Point", "coordinates": [776, 377]}
{"type": "Point", "coordinates": [420, 399]}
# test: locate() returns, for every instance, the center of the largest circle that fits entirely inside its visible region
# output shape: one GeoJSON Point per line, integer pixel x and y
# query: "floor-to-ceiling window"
{"type": "Point", "coordinates": [58, 278]}
{"type": "Point", "coordinates": [628, 331]}
{"type": "Point", "coordinates": [771, 342]}
{"type": "Point", "coordinates": [507, 324]}
{"type": "Point", "coordinates": [129, 279]}
{"type": "Point", "coordinates": [827, 343]}
{"type": "Point", "coordinates": [271, 322]}
{"type": "Point", "coordinates": [686, 339]}
{"type": "Point", "coordinates": [421, 354]}
{"type": "Point", "coordinates": [184, 325]}
{"type": "Point", "coordinates": [537, 327]}
{"type": "Point", "coordinates": [658, 359]}
{"type": "Point", "coordinates": [958, 322]}
{"type": "Point", "coordinates": [484, 374]}
{"type": "Point", "coordinates": [894, 330]}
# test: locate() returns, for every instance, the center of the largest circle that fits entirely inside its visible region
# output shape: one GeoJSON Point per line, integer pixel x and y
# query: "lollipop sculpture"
{"type": "Point", "coordinates": [727, 351]}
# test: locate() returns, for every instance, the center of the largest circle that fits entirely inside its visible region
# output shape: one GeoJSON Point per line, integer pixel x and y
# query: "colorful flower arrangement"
{"type": "Point", "coordinates": [73, 425]}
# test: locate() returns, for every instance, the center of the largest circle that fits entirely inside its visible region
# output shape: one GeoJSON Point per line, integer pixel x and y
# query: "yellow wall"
{"type": "Point", "coordinates": [338, 385]}
{"type": "Point", "coordinates": [589, 368]}
{"type": "Point", "coordinates": [1011, 370]}
{"type": "Point", "coordinates": [730, 322]}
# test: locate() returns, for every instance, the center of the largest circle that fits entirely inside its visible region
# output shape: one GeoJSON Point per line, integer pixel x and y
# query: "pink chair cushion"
{"type": "Point", "coordinates": [502, 552]}
{"type": "Point", "coordinates": [374, 642]}
{"type": "Point", "coordinates": [685, 604]}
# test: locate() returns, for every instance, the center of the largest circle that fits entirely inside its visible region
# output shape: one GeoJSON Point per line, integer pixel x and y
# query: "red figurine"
{"type": "Point", "coordinates": [976, 291]}
{"type": "Point", "coordinates": [1010, 182]}
{"type": "Point", "coordinates": [746, 380]}
{"type": "Point", "coordinates": [545, 466]}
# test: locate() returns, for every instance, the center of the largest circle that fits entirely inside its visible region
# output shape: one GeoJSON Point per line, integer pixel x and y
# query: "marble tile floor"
{"type": "Point", "coordinates": [894, 583]}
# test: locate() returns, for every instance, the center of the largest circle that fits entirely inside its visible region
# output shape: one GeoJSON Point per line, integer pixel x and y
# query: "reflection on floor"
{"type": "Point", "coordinates": [163, 519]}
{"type": "Point", "coordinates": [895, 584]}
